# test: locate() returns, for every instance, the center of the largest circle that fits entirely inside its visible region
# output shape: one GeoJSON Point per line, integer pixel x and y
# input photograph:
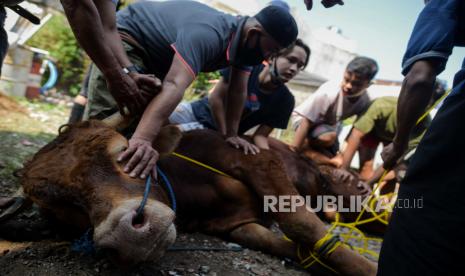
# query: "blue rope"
{"type": "Point", "coordinates": [169, 188]}
{"type": "Point", "coordinates": [85, 243]}
{"type": "Point", "coordinates": [140, 209]}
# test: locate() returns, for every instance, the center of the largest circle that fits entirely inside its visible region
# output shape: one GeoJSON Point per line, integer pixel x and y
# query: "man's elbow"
{"type": "Point", "coordinates": [421, 76]}
{"type": "Point", "coordinates": [171, 85]}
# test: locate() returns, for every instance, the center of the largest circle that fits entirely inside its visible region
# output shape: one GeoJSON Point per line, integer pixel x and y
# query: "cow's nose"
{"type": "Point", "coordinates": [137, 238]}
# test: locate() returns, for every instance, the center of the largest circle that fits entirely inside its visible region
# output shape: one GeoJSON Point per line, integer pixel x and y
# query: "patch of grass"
{"type": "Point", "coordinates": [22, 135]}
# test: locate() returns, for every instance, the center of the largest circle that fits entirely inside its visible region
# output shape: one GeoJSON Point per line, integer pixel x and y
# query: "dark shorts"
{"type": "Point", "coordinates": [430, 240]}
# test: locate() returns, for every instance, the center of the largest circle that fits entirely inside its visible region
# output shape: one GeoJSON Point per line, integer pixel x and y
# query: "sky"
{"type": "Point", "coordinates": [381, 28]}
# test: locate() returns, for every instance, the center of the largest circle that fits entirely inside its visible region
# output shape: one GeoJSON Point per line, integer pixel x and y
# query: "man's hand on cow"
{"type": "Point", "coordinates": [293, 148]}
{"type": "Point", "coordinates": [325, 3]}
{"type": "Point", "coordinates": [336, 161]}
{"type": "Point", "coordinates": [240, 143]}
{"type": "Point", "coordinates": [143, 158]}
{"type": "Point", "coordinates": [391, 155]}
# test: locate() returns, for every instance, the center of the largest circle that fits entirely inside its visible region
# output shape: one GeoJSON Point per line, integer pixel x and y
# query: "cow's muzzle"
{"type": "Point", "coordinates": [137, 240]}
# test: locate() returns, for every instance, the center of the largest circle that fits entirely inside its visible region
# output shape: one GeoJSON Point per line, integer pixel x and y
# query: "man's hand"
{"type": "Point", "coordinates": [126, 92]}
{"type": "Point", "coordinates": [325, 3]}
{"type": "Point", "coordinates": [143, 158]}
{"type": "Point", "coordinates": [336, 161]}
{"type": "Point", "coordinates": [240, 143]}
{"type": "Point", "coordinates": [391, 154]}
{"type": "Point", "coordinates": [147, 83]}
{"type": "Point", "coordinates": [293, 148]}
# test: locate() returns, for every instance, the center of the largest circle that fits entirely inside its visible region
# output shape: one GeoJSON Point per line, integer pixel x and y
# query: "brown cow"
{"type": "Point", "coordinates": [76, 176]}
{"type": "Point", "coordinates": [312, 180]}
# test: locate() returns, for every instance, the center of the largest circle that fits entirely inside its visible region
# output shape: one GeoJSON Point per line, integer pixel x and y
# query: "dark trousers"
{"type": "Point", "coordinates": [427, 238]}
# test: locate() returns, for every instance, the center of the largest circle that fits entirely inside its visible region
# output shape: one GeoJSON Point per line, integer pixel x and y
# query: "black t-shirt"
{"type": "Point", "coordinates": [205, 39]}
{"type": "Point", "coordinates": [272, 109]}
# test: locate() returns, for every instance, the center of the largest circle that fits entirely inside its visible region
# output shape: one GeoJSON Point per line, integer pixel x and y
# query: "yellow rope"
{"type": "Point", "coordinates": [433, 106]}
{"type": "Point", "coordinates": [382, 217]}
{"type": "Point", "coordinates": [200, 164]}
{"type": "Point", "coordinates": [313, 257]}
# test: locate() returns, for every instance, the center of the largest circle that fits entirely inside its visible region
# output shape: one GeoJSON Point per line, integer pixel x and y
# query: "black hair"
{"type": "Point", "coordinates": [298, 43]}
{"type": "Point", "coordinates": [363, 66]}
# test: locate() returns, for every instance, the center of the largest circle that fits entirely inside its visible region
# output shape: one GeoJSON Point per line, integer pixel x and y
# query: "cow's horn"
{"type": "Point", "coordinates": [118, 121]}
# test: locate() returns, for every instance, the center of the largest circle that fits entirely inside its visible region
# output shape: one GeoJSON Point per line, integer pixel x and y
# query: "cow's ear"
{"type": "Point", "coordinates": [167, 140]}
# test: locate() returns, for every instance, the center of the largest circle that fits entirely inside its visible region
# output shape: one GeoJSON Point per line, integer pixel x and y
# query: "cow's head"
{"type": "Point", "coordinates": [78, 178]}
{"type": "Point", "coordinates": [343, 182]}
{"type": "Point", "coordinates": [311, 178]}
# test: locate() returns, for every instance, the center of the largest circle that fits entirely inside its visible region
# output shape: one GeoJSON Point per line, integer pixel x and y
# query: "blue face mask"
{"type": "Point", "coordinates": [251, 56]}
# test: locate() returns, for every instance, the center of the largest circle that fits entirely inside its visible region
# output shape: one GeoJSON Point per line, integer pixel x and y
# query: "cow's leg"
{"type": "Point", "coordinates": [258, 237]}
{"type": "Point", "coordinates": [266, 175]}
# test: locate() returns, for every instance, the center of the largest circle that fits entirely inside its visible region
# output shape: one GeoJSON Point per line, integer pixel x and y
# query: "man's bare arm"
{"type": "Point", "coordinates": [142, 156]}
{"type": "Point", "coordinates": [260, 137]}
{"type": "Point", "coordinates": [353, 142]}
{"type": "Point", "coordinates": [217, 101]}
{"type": "Point", "coordinates": [91, 37]}
{"type": "Point", "coordinates": [102, 43]}
{"type": "Point", "coordinates": [236, 97]}
{"type": "Point", "coordinates": [301, 133]}
{"type": "Point", "coordinates": [415, 95]}
{"type": "Point", "coordinates": [107, 14]}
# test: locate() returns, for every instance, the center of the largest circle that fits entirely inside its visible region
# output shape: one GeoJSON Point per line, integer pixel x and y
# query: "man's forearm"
{"type": "Point", "coordinates": [218, 112]}
{"type": "Point", "coordinates": [261, 141]}
{"type": "Point", "coordinates": [301, 133]}
{"type": "Point", "coordinates": [415, 95]}
{"type": "Point", "coordinates": [91, 36]}
{"type": "Point", "coordinates": [158, 111]}
{"type": "Point", "coordinates": [234, 110]}
{"type": "Point", "coordinates": [352, 145]}
{"type": "Point", "coordinates": [112, 38]}
{"type": "Point", "coordinates": [236, 96]}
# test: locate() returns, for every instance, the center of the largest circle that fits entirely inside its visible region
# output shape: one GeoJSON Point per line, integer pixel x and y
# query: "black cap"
{"type": "Point", "coordinates": [279, 23]}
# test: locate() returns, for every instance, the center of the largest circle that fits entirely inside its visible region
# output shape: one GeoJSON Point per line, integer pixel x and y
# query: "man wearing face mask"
{"type": "Point", "coordinates": [175, 40]}
{"type": "Point", "coordinates": [317, 119]}
{"type": "Point", "coordinates": [269, 102]}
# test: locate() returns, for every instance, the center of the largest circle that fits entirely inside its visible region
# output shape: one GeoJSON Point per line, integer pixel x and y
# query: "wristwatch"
{"type": "Point", "coordinates": [131, 69]}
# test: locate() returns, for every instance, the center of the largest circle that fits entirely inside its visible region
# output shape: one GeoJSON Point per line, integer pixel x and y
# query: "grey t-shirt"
{"type": "Point", "coordinates": [204, 38]}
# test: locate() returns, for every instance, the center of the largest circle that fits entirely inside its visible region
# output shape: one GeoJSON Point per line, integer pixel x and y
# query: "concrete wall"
{"type": "Point", "coordinates": [15, 71]}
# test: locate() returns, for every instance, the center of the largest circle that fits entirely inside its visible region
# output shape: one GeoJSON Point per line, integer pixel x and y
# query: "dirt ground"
{"type": "Point", "coordinates": [24, 128]}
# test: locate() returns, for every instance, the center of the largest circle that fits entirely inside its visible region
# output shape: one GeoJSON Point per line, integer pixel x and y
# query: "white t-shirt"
{"type": "Point", "coordinates": [322, 106]}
